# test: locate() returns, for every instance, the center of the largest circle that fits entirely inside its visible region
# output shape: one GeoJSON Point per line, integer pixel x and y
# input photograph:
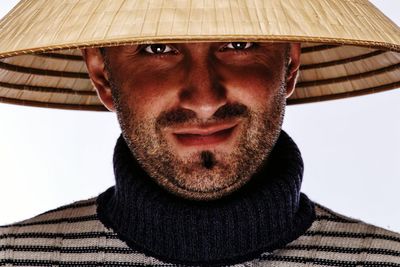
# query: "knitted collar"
{"type": "Point", "coordinates": [264, 215]}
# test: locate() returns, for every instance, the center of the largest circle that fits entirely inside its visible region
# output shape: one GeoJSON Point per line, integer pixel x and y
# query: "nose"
{"type": "Point", "coordinates": [202, 91]}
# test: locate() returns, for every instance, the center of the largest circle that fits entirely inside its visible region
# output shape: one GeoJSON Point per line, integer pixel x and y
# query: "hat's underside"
{"type": "Point", "coordinates": [60, 80]}
{"type": "Point", "coordinates": [349, 47]}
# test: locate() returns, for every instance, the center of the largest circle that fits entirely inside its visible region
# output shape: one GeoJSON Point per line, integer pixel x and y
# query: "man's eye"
{"type": "Point", "coordinates": [158, 49]}
{"type": "Point", "coordinates": [239, 45]}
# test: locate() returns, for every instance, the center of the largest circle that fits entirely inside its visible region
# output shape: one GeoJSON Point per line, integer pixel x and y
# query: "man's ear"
{"type": "Point", "coordinates": [98, 74]}
{"type": "Point", "coordinates": [293, 68]}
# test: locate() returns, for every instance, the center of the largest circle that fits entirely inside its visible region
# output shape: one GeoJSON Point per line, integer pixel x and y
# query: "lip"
{"type": "Point", "coordinates": [200, 136]}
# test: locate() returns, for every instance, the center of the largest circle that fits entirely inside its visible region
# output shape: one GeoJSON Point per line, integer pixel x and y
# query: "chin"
{"type": "Point", "coordinates": [206, 184]}
{"type": "Point", "coordinates": [207, 195]}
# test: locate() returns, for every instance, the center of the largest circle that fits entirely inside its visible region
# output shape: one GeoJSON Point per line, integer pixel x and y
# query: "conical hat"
{"type": "Point", "coordinates": [348, 46]}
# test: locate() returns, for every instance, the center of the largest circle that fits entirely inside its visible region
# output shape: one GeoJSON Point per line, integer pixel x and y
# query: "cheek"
{"type": "Point", "coordinates": [149, 92]}
{"type": "Point", "coordinates": [253, 86]}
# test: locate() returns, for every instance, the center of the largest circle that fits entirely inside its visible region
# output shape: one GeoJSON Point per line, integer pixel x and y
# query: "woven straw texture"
{"type": "Point", "coordinates": [348, 46]}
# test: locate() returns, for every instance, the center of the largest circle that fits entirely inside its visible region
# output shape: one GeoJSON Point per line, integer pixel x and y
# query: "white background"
{"type": "Point", "coordinates": [351, 150]}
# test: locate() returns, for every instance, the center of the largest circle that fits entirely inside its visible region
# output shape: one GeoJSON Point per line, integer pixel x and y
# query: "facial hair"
{"type": "Point", "coordinates": [208, 159]}
{"type": "Point", "coordinates": [208, 174]}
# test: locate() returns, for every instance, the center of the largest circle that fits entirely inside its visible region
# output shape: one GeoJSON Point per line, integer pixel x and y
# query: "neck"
{"type": "Point", "coordinates": [264, 215]}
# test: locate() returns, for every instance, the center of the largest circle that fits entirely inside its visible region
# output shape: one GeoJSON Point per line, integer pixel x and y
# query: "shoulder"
{"type": "Point", "coordinates": [332, 223]}
{"type": "Point", "coordinates": [77, 212]}
{"type": "Point", "coordinates": [80, 210]}
{"type": "Point", "coordinates": [47, 232]}
{"type": "Point", "coordinates": [71, 235]}
{"type": "Point", "coordinates": [338, 240]}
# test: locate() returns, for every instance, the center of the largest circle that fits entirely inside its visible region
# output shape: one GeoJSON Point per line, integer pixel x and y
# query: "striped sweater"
{"type": "Point", "coordinates": [73, 236]}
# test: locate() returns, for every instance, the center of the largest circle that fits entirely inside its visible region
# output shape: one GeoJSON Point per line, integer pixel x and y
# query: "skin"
{"type": "Point", "coordinates": [200, 118]}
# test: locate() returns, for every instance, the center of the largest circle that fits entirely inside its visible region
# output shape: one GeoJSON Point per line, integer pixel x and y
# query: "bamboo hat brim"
{"type": "Point", "coordinates": [348, 46]}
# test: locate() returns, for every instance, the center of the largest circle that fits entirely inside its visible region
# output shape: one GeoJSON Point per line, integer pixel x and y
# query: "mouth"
{"type": "Point", "coordinates": [204, 136]}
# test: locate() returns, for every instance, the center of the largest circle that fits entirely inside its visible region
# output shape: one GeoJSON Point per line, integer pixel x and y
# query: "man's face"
{"type": "Point", "coordinates": [200, 118]}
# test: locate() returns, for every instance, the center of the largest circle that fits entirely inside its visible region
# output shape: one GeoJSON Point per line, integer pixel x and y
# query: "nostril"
{"type": "Point", "coordinates": [185, 94]}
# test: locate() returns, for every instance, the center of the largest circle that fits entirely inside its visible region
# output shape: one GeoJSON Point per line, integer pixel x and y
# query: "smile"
{"type": "Point", "coordinates": [201, 137]}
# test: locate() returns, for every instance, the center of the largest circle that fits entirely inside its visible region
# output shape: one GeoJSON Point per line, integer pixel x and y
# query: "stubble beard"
{"type": "Point", "coordinates": [208, 174]}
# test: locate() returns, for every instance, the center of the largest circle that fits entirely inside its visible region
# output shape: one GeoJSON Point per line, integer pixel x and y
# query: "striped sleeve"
{"type": "Point", "coordinates": [68, 236]}
{"type": "Point", "coordinates": [73, 236]}
{"type": "Point", "coordinates": [336, 240]}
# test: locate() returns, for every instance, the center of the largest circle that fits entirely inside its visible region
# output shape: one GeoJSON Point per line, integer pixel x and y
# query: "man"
{"type": "Point", "coordinates": [192, 121]}
{"type": "Point", "coordinates": [204, 173]}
